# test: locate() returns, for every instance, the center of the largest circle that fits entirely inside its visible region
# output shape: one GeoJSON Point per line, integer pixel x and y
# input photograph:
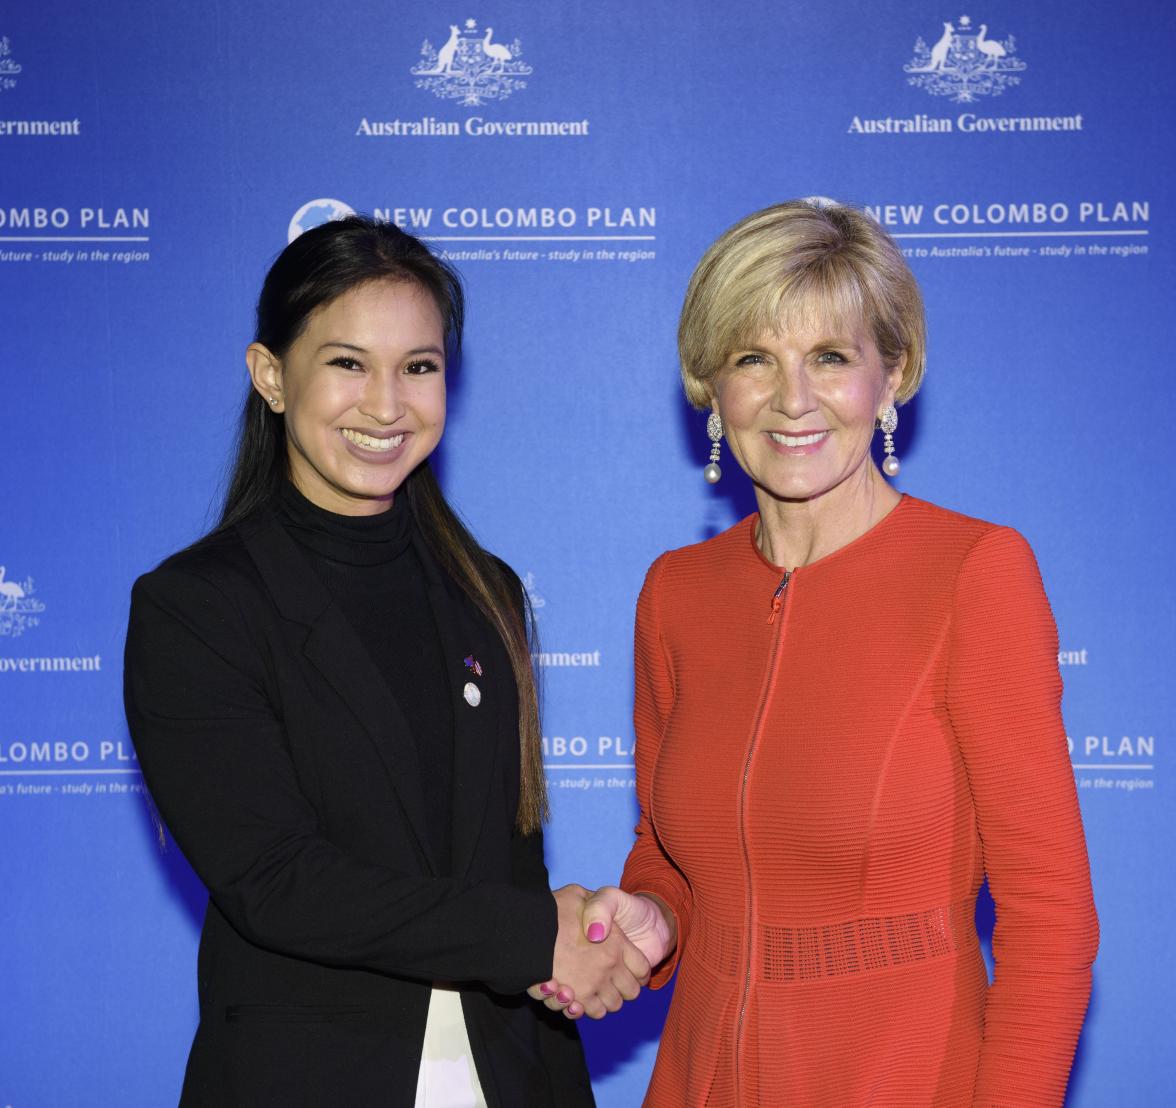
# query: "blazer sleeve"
{"type": "Point", "coordinates": [212, 749]}
{"type": "Point", "coordinates": [648, 868]}
{"type": "Point", "coordinates": [1004, 701]}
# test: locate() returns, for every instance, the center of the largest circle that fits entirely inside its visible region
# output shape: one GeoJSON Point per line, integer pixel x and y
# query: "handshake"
{"type": "Point", "coordinates": [608, 944]}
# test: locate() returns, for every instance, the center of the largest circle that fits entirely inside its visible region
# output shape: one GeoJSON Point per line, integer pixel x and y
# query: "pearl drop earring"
{"type": "Point", "coordinates": [714, 430]}
{"type": "Point", "coordinates": [888, 422]}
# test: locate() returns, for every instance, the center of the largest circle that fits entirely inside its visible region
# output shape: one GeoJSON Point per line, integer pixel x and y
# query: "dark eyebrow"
{"type": "Point", "coordinates": [360, 350]}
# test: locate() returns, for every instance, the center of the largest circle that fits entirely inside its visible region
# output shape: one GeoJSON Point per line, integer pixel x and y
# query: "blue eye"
{"type": "Point", "coordinates": [750, 359]}
{"type": "Point", "coordinates": [831, 357]}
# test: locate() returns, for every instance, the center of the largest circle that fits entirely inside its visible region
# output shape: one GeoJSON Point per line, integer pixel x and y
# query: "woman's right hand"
{"type": "Point", "coordinates": [647, 923]}
{"type": "Point", "coordinates": [590, 977]}
{"type": "Point", "coordinates": [643, 919]}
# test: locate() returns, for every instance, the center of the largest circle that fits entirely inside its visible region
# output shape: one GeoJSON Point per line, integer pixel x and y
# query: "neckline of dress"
{"type": "Point", "coordinates": [871, 533]}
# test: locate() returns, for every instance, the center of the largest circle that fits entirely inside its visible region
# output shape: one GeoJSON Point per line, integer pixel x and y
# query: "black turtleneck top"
{"type": "Point", "coordinates": [374, 574]}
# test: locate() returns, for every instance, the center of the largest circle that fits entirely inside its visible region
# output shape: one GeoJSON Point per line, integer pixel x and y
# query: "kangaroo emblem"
{"type": "Point", "coordinates": [446, 54]}
{"type": "Point", "coordinates": [940, 49]}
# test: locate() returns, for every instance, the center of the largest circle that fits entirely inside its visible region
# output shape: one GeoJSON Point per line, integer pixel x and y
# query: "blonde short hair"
{"type": "Point", "coordinates": [800, 256]}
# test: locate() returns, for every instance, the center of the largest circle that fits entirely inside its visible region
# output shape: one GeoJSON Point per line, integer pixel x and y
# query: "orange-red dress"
{"type": "Point", "coordinates": [827, 766]}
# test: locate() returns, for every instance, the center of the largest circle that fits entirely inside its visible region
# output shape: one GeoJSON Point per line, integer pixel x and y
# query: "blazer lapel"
{"type": "Point", "coordinates": [464, 633]}
{"type": "Point", "coordinates": [334, 648]}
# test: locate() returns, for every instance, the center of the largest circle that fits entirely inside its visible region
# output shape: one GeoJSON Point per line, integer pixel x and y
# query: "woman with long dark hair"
{"type": "Point", "coordinates": [332, 701]}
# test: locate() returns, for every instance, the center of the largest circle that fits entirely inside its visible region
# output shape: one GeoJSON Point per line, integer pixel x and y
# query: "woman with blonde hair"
{"type": "Point", "coordinates": [847, 717]}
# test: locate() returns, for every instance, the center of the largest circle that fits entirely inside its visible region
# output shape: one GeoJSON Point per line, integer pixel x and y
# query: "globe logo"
{"type": "Point", "coordinates": [314, 213]}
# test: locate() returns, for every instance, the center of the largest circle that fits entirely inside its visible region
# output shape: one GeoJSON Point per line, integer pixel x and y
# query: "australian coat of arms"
{"type": "Point", "coordinates": [19, 609]}
{"type": "Point", "coordinates": [965, 63]}
{"type": "Point", "coordinates": [471, 68]}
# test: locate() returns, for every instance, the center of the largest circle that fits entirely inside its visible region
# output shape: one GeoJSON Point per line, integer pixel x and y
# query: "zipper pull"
{"type": "Point", "coordinates": [778, 595]}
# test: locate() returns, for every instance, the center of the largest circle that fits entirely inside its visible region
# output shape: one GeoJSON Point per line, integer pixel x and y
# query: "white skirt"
{"type": "Point", "coordinates": [447, 1077]}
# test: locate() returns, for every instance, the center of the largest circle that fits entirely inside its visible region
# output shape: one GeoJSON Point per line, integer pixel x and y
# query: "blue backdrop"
{"type": "Point", "coordinates": [574, 160]}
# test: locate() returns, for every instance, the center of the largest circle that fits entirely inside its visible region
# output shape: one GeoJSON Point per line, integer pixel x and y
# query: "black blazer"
{"type": "Point", "coordinates": [287, 773]}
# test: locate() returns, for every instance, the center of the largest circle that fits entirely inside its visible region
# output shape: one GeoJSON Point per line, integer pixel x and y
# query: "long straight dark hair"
{"type": "Point", "coordinates": [316, 268]}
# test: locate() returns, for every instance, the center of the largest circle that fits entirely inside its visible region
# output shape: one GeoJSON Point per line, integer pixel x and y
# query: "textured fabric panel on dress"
{"type": "Point", "coordinates": [862, 945]}
{"type": "Point", "coordinates": [837, 949]}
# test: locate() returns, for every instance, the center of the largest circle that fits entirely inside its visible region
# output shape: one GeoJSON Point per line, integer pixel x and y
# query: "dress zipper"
{"type": "Point", "coordinates": [778, 595]}
{"type": "Point", "coordinates": [777, 603]}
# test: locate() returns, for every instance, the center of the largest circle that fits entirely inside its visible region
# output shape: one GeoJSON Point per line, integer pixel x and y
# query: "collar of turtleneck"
{"type": "Point", "coordinates": [353, 540]}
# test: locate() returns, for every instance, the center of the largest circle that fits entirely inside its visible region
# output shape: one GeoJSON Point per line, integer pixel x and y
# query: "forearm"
{"type": "Point", "coordinates": [1019, 1064]}
{"type": "Point", "coordinates": [304, 897]}
{"type": "Point", "coordinates": [1043, 946]}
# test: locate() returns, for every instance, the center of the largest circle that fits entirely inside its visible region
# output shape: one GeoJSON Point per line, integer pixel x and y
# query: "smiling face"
{"type": "Point", "coordinates": [362, 390]}
{"type": "Point", "coordinates": [799, 407]}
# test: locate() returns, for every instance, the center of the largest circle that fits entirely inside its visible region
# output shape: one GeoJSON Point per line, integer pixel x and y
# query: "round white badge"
{"type": "Point", "coordinates": [472, 694]}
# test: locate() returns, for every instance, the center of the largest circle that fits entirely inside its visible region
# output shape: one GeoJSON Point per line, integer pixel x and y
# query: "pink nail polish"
{"type": "Point", "coordinates": [563, 996]}
{"type": "Point", "coordinates": [595, 932]}
{"type": "Point", "coordinates": [546, 989]}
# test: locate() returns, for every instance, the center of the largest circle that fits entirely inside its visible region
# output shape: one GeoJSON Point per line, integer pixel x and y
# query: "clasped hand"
{"type": "Point", "coordinates": [607, 944]}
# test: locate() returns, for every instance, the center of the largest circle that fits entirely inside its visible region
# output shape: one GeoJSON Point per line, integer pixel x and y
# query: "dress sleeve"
{"type": "Point", "coordinates": [1004, 700]}
{"type": "Point", "coordinates": [211, 743]}
{"type": "Point", "coordinates": [648, 869]}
